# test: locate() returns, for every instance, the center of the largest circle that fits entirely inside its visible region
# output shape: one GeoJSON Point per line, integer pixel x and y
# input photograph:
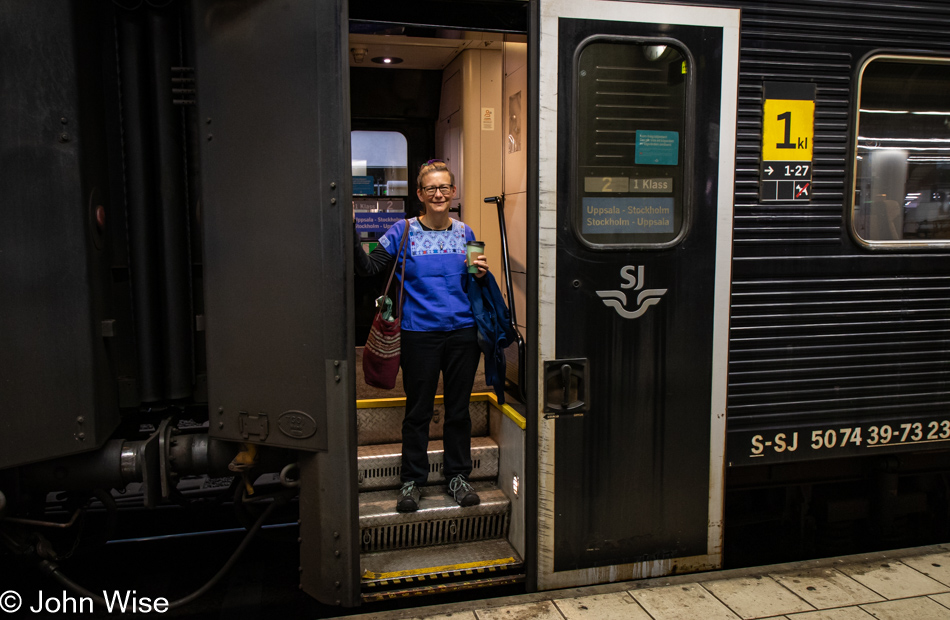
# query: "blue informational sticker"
{"type": "Point", "coordinates": [626, 215]}
{"type": "Point", "coordinates": [377, 222]}
{"type": "Point", "coordinates": [364, 186]}
{"type": "Point", "coordinates": [660, 148]}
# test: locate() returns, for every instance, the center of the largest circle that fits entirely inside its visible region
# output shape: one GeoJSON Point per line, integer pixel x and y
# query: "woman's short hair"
{"type": "Point", "coordinates": [433, 165]}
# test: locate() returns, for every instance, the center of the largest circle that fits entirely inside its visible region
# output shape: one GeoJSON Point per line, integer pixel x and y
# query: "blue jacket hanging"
{"type": "Point", "coordinates": [495, 332]}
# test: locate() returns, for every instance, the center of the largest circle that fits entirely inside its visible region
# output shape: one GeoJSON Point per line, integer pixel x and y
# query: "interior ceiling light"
{"type": "Point", "coordinates": [359, 53]}
{"type": "Point", "coordinates": [653, 52]}
{"type": "Point", "coordinates": [387, 60]}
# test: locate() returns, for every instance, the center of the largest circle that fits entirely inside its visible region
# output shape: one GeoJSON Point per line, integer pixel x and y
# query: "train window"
{"type": "Point", "coordinates": [902, 153]}
{"type": "Point", "coordinates": [380, 163]}
{"type": "Point", "coordinates": [630, 111]}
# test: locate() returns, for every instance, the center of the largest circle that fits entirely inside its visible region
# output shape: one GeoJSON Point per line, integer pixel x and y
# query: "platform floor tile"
{"type": "Point", "coordinates": [844, 613]}
{"type": "Point", "coordinates": [544, 610]}
{"type": "Point", "coordinates": [919, 608]}
{"type": "Point", "coordinates": [912, 584]}
{"type": "Point", "coordinates": [682, 601]}
{"type": "Point", "coordinates": [756, 597]}
{"type": "Point", "coordinates": [615, 606]}
{"type": "Point", "coordinates": [936, 566]}
{"type": "Point", "coordinates": [825, 588]}
{"type": "Point", "coordinates": [892, 579]}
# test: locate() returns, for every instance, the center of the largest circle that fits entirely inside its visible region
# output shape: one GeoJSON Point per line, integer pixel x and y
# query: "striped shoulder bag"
{"type": "Point", "coordinates": [382, 350]}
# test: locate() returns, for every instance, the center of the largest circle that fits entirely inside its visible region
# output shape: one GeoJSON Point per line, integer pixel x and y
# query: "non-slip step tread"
{"type": "Point", "coordinates": [383, 424]}
{"type": "Point", "coordinates": [380, 466]}
{"type": "Point", "coordinates": [435, 447]}
{"type": "Point", "coordinates": [459, 558]}
{"type": "Point", "coordinates": [379, 507]}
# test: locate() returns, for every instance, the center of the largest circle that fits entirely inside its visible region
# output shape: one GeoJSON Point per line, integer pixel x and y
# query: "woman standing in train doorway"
{"type": "Point", "coordinates": [438, 334]}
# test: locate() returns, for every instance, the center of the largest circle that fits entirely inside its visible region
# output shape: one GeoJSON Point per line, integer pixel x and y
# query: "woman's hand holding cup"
{"type": "Point", "coordinates": [475, 258]}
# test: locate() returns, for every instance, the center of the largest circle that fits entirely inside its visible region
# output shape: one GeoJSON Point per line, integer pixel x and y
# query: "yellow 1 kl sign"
{"type": "Point", "coordinates": [788, 132]}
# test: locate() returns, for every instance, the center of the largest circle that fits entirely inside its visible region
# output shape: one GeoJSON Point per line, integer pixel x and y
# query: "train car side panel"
{"type": "Point", "coordinates": [56, 307]}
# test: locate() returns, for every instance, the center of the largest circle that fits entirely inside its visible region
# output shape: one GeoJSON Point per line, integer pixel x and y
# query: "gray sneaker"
{"type": "Point", "coordinates": [409, 496]}
{"type": "Point", "coordinates": [462, 491]}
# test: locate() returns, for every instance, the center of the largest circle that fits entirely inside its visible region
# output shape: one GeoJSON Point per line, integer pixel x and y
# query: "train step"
{"type": "Point", "coordinates": [379, 421]}
{"type": "Point", "coordinates": [379, 466]}
{"type": "Point", "coordinates": [438, 521]}
{"type": "Point", "coordinates": [446, 568]}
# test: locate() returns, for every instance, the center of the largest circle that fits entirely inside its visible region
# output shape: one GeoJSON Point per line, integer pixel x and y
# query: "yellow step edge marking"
{"type": "Point", "coordinates": [437, 569]}
{"type": "Point", "coordinates": [375, 403]}
{"type": "Point", "coordinates": [440, 588]}
{"type": "Point", "coordinates": [514, 416]}
{"type": "Point", "coordinates": [508, 410]}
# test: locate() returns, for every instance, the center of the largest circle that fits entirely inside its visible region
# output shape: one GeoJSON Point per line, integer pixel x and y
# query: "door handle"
{"type": "Point", "coordinates": [565, 387]}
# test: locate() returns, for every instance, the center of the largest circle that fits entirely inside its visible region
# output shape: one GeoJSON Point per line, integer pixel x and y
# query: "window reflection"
{"type": "Point", "coordinates": [631, 142]}
{"type": "Point", "coordinates": [380, 181]}
{"type": "Point", "coordinates": [380, 163]}
{"type": "Point", "coordinates": [902, 163]}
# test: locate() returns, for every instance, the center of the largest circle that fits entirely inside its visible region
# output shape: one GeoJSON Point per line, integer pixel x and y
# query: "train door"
{"type": "Point", "coordinates": [272, 93]}
{"type": "Point", "coordinates": [637, 121]}
{"type": "Point", "coordinates": [452, 88]}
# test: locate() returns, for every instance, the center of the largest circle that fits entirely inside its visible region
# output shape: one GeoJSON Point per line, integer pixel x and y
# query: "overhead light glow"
{"type": "Point", "coordinates": [904, 148]}
{"type": "Point", "coordinates": [905, 139]}
{"type": "Point", "coordinates": [653, 52]}
{"type": "Point", "coordinates": [387, 60]}
{"type": "Point", "coordinates": [921, 112]}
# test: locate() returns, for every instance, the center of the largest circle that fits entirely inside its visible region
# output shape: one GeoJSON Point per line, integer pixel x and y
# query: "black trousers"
{"type": "Point", "coordinates": [424, 355]}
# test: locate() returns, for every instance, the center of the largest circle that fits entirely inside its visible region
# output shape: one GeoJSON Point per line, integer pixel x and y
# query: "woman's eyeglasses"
{"type": "Point", "coordinates": [443, 189]}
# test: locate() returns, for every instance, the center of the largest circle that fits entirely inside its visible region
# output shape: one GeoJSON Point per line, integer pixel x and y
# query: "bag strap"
{"type": "Point", "coordinates": [402, 280]}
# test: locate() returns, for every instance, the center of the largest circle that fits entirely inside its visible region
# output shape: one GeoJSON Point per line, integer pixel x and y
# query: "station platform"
{"type": "Point", "coordinates": [905, 584]}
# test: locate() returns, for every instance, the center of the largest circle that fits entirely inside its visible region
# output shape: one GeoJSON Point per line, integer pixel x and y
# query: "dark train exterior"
{"type": "Point", "coordinates": [759, 354]}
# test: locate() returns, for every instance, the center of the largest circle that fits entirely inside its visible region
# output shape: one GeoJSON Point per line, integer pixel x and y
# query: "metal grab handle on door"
{"type": "Point", "coordinates": [566, 386]}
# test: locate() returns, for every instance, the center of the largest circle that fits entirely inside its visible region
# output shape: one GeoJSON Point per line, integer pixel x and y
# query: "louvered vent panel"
{"type": "Point", "coordinates": [817, 41]}
{"type": "Point", "coordinates": [761, 227]}
{"type": "Point", "coordinates": [806, 350]}
{"type": "Point", "coordinates": [809, 349]}
{"type": "Point", "coordinates": [922, 23]}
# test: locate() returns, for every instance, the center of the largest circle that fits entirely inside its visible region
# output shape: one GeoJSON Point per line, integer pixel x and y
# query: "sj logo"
{"type": "Point", "coordinates": [633, 278]}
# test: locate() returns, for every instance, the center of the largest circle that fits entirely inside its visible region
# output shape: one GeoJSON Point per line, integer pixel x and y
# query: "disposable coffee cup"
{"type": "Point", "coordinates": [473, 249]}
